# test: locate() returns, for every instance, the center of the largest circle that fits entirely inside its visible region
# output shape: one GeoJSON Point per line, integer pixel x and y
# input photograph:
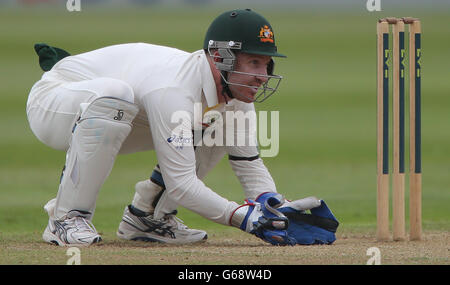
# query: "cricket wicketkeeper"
{"type": "Point", "coordinates": [124, 98]}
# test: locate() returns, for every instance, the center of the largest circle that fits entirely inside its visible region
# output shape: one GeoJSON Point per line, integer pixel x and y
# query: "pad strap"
{"type": "Point", "coordinates": [157, 178]}
{"type": "Point", "coordinates": [237, 158]}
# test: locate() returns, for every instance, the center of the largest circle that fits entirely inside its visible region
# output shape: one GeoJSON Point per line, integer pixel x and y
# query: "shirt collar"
{"type": "Point", "coordinates": [208, 84]}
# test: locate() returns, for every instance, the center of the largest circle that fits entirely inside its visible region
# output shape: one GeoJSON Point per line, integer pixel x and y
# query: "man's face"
{"type": "Point", "coordinates": [248, 63]}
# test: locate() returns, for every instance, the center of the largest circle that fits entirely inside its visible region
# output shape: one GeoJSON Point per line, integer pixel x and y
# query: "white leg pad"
{"type": "Point", "coordinates": [146, 192]}
{"type": "Point", "coordinates": [97, 138]}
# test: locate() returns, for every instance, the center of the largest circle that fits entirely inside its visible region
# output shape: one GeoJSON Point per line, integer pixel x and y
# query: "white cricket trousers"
{"type": "Point", "coordinates": [54, 104]}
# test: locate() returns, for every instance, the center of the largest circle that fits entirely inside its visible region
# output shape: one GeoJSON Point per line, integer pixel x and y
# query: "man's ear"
{"type": "Point", "coordinates": [216, 56]}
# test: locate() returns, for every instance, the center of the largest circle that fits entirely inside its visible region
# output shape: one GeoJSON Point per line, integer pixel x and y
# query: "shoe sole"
{"type": "Point", "coordinates": [133, 236]}
{"type": "Point", "coordinates": [53, 239]}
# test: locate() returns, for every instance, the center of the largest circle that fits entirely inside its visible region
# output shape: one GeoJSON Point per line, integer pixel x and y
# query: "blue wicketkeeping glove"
{"type": "Point", "coordinates": [317, 227]}
{"type": "Point", "coordinates": [264, 220]}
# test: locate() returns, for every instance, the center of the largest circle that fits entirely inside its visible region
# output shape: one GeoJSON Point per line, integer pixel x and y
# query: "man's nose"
{"type": "Point", "coordinates": [262, 75]}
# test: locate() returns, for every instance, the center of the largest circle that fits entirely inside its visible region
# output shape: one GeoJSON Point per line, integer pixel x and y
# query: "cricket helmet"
{"type": "Point", "coordinates": [243, 31]}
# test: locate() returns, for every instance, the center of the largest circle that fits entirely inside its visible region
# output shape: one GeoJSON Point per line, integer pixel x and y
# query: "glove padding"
{"type": "Point", "coordinates": [266, 222]}
{"type": "Point", "coordinates": [318, 227]}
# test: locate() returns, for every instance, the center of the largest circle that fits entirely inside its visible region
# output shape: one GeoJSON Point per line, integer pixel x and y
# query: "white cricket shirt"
{"type": "Point", "coordinates": [167, 83]}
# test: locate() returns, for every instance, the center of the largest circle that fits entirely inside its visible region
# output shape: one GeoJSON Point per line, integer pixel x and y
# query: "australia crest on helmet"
{"type": "Point", "coordinates": [266, 34]}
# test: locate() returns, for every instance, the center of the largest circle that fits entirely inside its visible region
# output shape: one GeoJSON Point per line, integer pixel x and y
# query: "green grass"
{"type": "Point", "coordinates": [326, 102]}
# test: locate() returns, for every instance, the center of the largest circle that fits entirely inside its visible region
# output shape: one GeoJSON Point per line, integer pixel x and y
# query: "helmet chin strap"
{"type": "Point", "coordinates": [225, 87]}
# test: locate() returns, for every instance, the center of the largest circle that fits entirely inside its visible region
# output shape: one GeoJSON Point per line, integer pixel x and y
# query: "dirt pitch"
{"type": "Point", "coordinates": [235, 248]}
{"type": "Point", "coordinates": [348, 249]}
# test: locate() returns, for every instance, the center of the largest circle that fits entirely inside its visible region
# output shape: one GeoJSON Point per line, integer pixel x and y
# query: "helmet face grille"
{"type": "Point", "coordinates": [266, 89]}
{"type": "Point", "coordinates": [225, 53]}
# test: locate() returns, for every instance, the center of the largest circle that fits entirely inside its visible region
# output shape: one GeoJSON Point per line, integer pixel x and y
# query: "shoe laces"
{"type": "Point", "coordinates": [174, 221]}
{"type": "Point", "coordinates": [83, 224]}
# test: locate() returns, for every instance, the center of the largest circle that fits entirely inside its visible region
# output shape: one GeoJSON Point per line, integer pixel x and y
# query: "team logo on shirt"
{"type": "Point", "coordinates": [266, 34]}
{"type": "Point", "coordinates": [210, 118]}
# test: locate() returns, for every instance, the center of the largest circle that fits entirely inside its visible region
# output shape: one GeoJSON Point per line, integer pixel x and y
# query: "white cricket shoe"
{"type": "Point", "coordinates": [169, 229]}
{"type": "Point", "coordinates": [76, 230]}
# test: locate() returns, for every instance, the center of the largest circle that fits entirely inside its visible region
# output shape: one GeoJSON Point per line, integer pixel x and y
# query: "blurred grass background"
{"type": "Point", "coordinates": [327, 104]}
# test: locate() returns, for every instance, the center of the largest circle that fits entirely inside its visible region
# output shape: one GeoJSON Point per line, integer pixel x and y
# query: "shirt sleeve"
{"type": "Point", "coordinates": [170, 113]}
{"type": "Point", "coordinates": [244, 157]}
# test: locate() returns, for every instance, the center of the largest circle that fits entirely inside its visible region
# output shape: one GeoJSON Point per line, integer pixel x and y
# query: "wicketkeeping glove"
{"type": "Point", "coordinates": [317, 227]}
{"type": "Point", "coordinates": [264, 220]}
